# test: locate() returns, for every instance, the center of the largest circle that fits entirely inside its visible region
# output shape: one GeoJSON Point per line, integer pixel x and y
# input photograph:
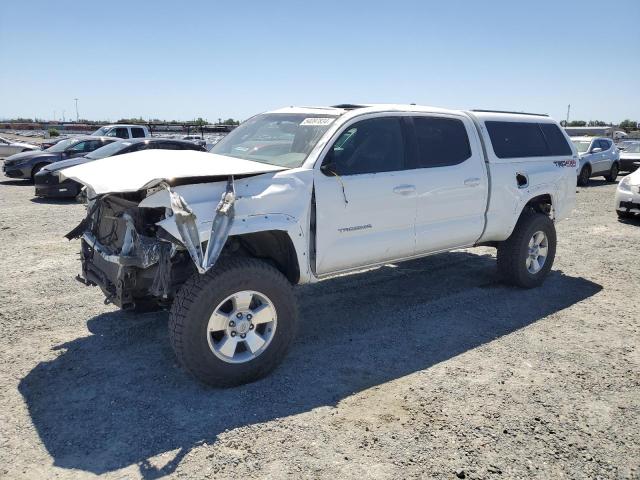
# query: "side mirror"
{"type": "Point", "coordinates": [596, 150]}
{"type": "Point", "coordinates": [328, 169]}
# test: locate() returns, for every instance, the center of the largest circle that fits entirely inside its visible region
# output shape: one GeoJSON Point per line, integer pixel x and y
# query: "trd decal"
{"type": "Point", "coordinates": [565, 163]}
{"type": "Point", "coordinates": [353, 229]}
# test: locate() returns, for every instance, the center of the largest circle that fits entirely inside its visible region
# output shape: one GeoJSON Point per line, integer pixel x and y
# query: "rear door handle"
{"type": "Point", "coordinates": [404, 189]}
{"type": "Point", "coordinates": [472, 182]}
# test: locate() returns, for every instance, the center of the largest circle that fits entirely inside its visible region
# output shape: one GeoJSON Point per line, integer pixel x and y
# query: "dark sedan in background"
{"type": "Point", "coordinates": [48, 183]}
{"type": "Point", "coordinates": [27, 164]}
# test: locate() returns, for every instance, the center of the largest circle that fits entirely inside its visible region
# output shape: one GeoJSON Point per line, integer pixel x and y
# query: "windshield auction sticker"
{"type": "Point", "coordinates": [317, 121]}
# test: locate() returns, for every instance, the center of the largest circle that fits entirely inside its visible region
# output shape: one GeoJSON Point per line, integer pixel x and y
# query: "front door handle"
{"type": "Point", "coordinates": [404, 189]}
{"type": "Point", "coordinates": [472, 182]}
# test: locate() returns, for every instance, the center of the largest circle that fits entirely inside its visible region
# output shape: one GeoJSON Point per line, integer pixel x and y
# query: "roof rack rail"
{"type": "Point", "coordinates": [348, 106]}
{"type": "Point", "coordinates": [515, 113]}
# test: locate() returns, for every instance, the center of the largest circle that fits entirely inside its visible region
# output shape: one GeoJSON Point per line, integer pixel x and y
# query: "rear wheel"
{"type": "Point", "coordinates": [583, 177]}
{"type": "Point", "coordinates": [613, 173]}
{"type": "Point", "coordinates": [526, 257]}
{"type": "Point", "coordinates": [235, 323]}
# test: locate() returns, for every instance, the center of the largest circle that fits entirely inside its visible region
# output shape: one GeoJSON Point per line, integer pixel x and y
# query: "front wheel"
{"type": "Point", "coordinates": [613, 173]}
{"type": "Point", "coordinates": [526, 257]}
{"type": "Point", "coordinates": [36, 169]}
{"type": "Point", "coordinates": [235, 323]}
{"type": "Point", "coordinates": [583, 177]}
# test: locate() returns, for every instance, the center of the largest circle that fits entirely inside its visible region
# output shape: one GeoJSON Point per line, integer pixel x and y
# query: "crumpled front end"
{"type": "Point", "coordinates": [131, 258]}
{"type": "Point", "coordinates": [118, 247]}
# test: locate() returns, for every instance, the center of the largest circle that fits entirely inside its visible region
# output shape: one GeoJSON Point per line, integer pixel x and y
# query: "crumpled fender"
{"type": "Point", "coordinates": [273, 201]}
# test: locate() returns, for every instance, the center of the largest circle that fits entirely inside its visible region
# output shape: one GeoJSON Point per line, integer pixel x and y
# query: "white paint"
{"type": "Point", "coordinates": [629, 191]}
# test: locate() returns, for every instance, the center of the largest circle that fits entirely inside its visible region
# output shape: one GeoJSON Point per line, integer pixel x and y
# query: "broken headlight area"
{"type": "Point", "coordinates": [126, 254]}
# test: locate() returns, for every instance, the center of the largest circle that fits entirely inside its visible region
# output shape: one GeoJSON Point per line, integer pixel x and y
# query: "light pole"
{"type": "Point", "coordinates": [63, 112]}
{"type": "Point", "coordinates": [77, 116]}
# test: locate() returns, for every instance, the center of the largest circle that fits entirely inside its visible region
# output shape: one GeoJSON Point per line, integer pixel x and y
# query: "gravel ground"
{"type": "Point", "coordinates": [424, 369]}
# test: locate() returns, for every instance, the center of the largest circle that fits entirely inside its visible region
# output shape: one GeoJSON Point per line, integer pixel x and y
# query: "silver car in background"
{"type": "Point", "coordinates": [599, 156]}
{"type": "Point", "coordinates": [9, 146]}
{"type": "Point", "coordinates": [629, 155]}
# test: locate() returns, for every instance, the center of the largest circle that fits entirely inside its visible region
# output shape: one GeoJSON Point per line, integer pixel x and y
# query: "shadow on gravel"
{"type": "Point", "coordinates": [16, 183]}
{"type": "Point", "coordinates": [599, 182]}
{"type": "Point", "coordinates": [54, 201]}
{"type": "Point", "coordinates": [116, 398]}
{"type": "Point", "coordinates": [630, 221]}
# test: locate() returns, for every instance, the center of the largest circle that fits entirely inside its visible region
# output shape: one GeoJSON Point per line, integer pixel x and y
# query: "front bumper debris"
{"type": "Point", "coordinates": [127, 276]}
{"type": "Point", "coordinates": [142, 265]}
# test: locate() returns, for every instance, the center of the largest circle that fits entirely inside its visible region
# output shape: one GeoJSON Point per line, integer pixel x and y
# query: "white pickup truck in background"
{"type": "Point", "coordinates": [300, 194]}
{"type": "Point", "coordinates": [123, 131]}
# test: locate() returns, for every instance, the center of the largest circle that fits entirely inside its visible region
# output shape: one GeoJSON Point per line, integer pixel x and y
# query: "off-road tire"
{"type": "Point", "coordinates": [612, 176]}
{"type": "Point", "coordinates": [199, 296]}
{"type": "Point", "coordinates": [625, 215]}
{"type": "Point", "coordinates": [584, 176]}
{"type": "Point", "coordinates": [513, 252]}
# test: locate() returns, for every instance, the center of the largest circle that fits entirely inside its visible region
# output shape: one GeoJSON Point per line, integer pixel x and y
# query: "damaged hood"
{"type": "Point", "coordinates": [131, 172]}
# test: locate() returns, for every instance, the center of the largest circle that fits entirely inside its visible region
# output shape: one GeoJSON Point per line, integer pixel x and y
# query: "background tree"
{"type": "Point", "coordinates": [628, 124]}
{"type": "Point", "coordinates": [578, 123]}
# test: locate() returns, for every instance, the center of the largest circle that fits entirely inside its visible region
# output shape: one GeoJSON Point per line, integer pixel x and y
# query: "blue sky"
{"type": "Point", "coordinates": [187, 59]}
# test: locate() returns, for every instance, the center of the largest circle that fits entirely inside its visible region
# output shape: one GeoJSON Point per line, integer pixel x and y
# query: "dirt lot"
{"type": "Point", "coordinates": [425, 369]}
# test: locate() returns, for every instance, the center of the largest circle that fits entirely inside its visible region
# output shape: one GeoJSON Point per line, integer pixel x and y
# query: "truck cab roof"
{"type": "Point", "coordinates": [364, 108]}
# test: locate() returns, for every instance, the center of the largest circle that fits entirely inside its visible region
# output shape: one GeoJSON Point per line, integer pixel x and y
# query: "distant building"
{"type": "Point", "coordinates": [611, 132]}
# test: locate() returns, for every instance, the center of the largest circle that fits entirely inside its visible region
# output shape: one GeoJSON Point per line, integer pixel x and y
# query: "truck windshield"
{"type": "Point", "coordinates": [582, 145]}
{"type": "Point", "coordinates": [101, 132]}
{"type": "Point", "coordinates": [282, 139]}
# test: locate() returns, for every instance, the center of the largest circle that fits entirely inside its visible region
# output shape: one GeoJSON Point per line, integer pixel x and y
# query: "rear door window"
{"type": "Point", "coordinates": [555, 139]}
{"type": "Point", "coordinates": [122, 132]}
{"type": "Point", "coordinates": [440, 142]}
{"type": "Point", "coordinates": [517, 139]}
{"type": "Point", "coordinates": [137, 132]}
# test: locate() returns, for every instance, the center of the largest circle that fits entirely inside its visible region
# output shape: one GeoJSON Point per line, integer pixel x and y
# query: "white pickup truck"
{"type": "Point", "coordinates": [296, 195]}
{"type": "Point", "coordinates": [123, 131]}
